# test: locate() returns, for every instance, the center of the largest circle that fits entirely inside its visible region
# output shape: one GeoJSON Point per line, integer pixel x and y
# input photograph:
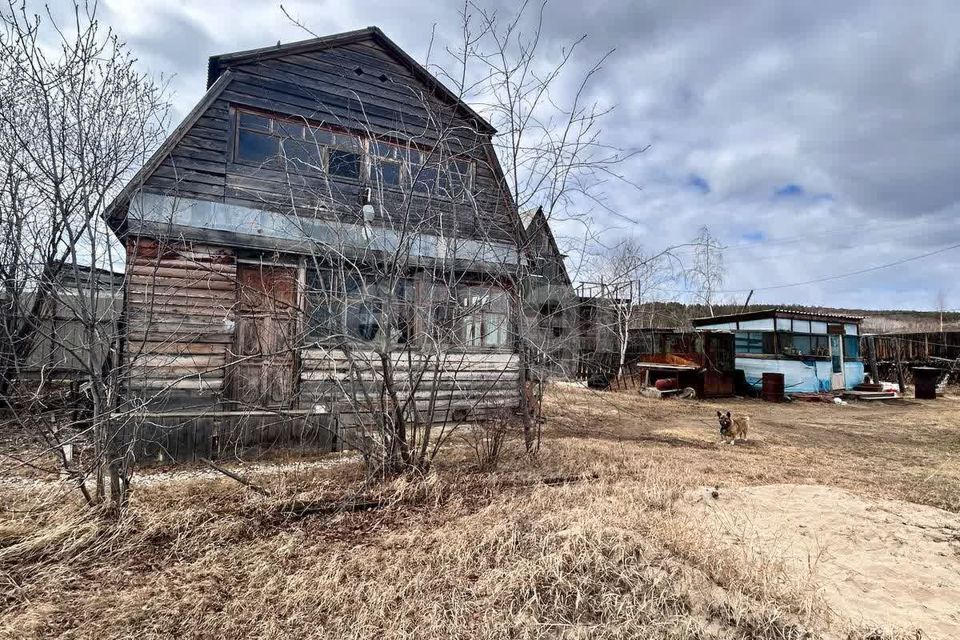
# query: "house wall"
{"type": "Point", "coordinates": [181, 305]}
{"type": "Point", "coordinates": [323, 88]}
{"type": "Point", "coordinates": [550, 306]}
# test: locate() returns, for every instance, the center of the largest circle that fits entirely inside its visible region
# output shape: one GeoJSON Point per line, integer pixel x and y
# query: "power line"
{"type": "Point", "coordinates": [826, 278]}
{"type": "Point", "coordinates": [844, 275]}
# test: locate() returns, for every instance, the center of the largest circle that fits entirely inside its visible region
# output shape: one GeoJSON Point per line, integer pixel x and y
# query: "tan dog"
{"type": "Point", "coordinates": [732, 428]}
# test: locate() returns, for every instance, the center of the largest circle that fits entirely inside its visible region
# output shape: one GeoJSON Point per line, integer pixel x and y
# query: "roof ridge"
{"type": "Point", "coordinates": [217, 64]}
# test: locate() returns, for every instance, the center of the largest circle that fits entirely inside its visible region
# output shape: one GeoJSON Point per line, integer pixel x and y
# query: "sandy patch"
{"type": "Point", "coordinates": [877, 562]}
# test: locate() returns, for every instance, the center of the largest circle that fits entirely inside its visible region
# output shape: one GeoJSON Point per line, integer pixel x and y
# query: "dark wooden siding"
{"type": "Point", "coordinates": [324, 87]}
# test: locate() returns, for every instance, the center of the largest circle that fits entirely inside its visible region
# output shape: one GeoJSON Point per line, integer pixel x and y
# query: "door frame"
{"type": "Point", "coordinates": [838, 381]}
{"type": "Point", "coordinates": [296, 305]}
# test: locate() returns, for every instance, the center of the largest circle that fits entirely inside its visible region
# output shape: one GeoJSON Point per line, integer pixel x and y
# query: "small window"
{"type": "Point", "coordinates": [357, 307]}
{"type": "Point", "coordinates": [818, 327]}
{"type": "Point", "coordinates": [749, 342]}
{"type": "Point", "coordinates": [344, 164]}
{"type": "Point", "coordinates": [851, 347]}
{"type": "Point", "coordinates": [485, 317]}
{"type": "Point", "coordinates": [363, 320]}
{"type": "Point", "coordinates": [291, 143]}
{"type": "Point", "coordinates": [255, 146]}
{"type": "Point", "coordinates": [254, 122]}
{"type": "Point", "coordinates": [303, 153]}
{"type": "Point", "coordinates": [424, 179]}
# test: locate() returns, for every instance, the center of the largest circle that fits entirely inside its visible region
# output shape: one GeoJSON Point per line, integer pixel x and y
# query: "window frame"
{"type": "Point", "coordinates": [356, 143]}
{"type": "Point", "coordinates": [411, 170]}
{"type": "Point", "coordinates": [411, 161]}
{"type": "Point", "coordinates": [476, 303]}
{"type": "Point", "coordinates": [393, 309]}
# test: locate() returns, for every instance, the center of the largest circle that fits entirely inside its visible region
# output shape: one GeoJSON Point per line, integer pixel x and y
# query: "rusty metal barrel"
{"type": "Point", "coordinates": [773, 387]}
{"type": "Point", "coordinates": [925, 383]}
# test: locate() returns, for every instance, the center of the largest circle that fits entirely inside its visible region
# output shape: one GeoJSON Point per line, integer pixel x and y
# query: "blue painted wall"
{"type": "Point", "coordinates": [799, 376]}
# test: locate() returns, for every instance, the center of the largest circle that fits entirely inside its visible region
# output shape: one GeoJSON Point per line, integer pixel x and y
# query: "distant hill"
{"type": "Point", "coordinates": [675, 314]}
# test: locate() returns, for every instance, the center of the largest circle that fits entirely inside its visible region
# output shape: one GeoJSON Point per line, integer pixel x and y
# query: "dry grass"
{"type": "Point", "coordinates": [467, 555]}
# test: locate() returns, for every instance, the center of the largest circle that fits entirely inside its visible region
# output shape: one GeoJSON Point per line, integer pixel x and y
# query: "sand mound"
{"type": "Point", "coordinates": [877, 562]}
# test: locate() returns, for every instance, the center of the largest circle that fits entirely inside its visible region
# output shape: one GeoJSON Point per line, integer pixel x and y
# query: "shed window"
{"type": "Point", "coordinates": [818, 327]}
{"type": "Point", "coordinates": [801, 326]}
{"type": "Point", "coordinates": [809, 345]}
{"type": "Point", "coordinates": [749, 342]}
{"type": "Point", "coordinates": [851, 347]}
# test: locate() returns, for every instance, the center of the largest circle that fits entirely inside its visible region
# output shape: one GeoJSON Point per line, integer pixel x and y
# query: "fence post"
{"type": "Point", "coordinates": [872, 358]}
{"type": "Point", "coordinates": [896, 355]}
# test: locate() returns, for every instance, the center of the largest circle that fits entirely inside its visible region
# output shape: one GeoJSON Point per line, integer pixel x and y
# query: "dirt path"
{"type": "Point", "coordinates": [878, 562]}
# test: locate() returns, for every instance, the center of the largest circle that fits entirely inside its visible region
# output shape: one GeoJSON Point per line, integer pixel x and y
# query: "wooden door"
{"type": "Point", "coordinates": [265, 344]}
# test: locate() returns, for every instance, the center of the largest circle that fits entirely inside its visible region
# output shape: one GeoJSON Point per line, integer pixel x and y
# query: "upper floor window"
{"type": "Point", "coordinates": [285, 142]}
{"type": "Point", "coordinates": [264, 139]}
{"type": "Point", "coordinates": [398, 165]}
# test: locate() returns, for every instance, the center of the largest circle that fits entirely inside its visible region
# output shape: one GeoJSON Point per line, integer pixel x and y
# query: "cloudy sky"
{"type": "Point", "coordinates": [815, 139]}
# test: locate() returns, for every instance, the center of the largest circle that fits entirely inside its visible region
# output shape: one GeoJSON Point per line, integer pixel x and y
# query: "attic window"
{"type": "Point", "coordinates": [293, 144]}
{"type": "Point", "coordinates": [358, 71]}
{"type": "Point", "coordinates": [383, 77]}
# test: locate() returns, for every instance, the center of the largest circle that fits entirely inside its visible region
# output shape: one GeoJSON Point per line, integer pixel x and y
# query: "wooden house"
{"type": "Point", "coordinates": [549, 302]}
{"type": "Point", "coordinates": [325, 236]}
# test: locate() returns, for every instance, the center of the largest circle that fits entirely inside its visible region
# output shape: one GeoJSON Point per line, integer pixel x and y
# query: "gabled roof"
{"type": "Point", "coordinates": [527, 218]}
{"type": "Point", "coordinates": [123, 198]}
{"type": "Point", "coordinates": [220, 63]}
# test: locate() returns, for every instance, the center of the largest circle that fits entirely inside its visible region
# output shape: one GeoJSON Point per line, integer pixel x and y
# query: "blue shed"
{"type": "Point", "coordinates": [814, 351]}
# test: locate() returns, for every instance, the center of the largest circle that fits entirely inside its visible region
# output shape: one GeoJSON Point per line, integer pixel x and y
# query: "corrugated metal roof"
{"type": "Point", "coordinates": [773, 312]}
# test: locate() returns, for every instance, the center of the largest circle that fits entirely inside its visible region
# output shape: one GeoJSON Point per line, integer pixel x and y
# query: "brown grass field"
{"type": "Point", "coordinates": [646, 528]}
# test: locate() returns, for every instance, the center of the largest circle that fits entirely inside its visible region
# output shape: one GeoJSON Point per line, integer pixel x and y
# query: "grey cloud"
{"type": "Point", "coordinates": [854, 100]}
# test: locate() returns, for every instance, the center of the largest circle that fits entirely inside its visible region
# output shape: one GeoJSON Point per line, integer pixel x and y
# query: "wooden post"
{"type": "Point", "coordinates": [872, 358]}
{"type": "Point", "coordinates": [896, 355]}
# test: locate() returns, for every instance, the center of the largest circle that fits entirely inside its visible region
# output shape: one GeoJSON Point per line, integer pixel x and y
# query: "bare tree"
{"type": "Point", "coordinates": [75, 118]}
{"type": "Point", "coordinates": [707, 271]}
{"type": "Point", "coordinates": [549, 139]}
{"type": "Point", "coordinates": [941, 305]}
{"type": "Point", "coordinates": [626, 279]}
